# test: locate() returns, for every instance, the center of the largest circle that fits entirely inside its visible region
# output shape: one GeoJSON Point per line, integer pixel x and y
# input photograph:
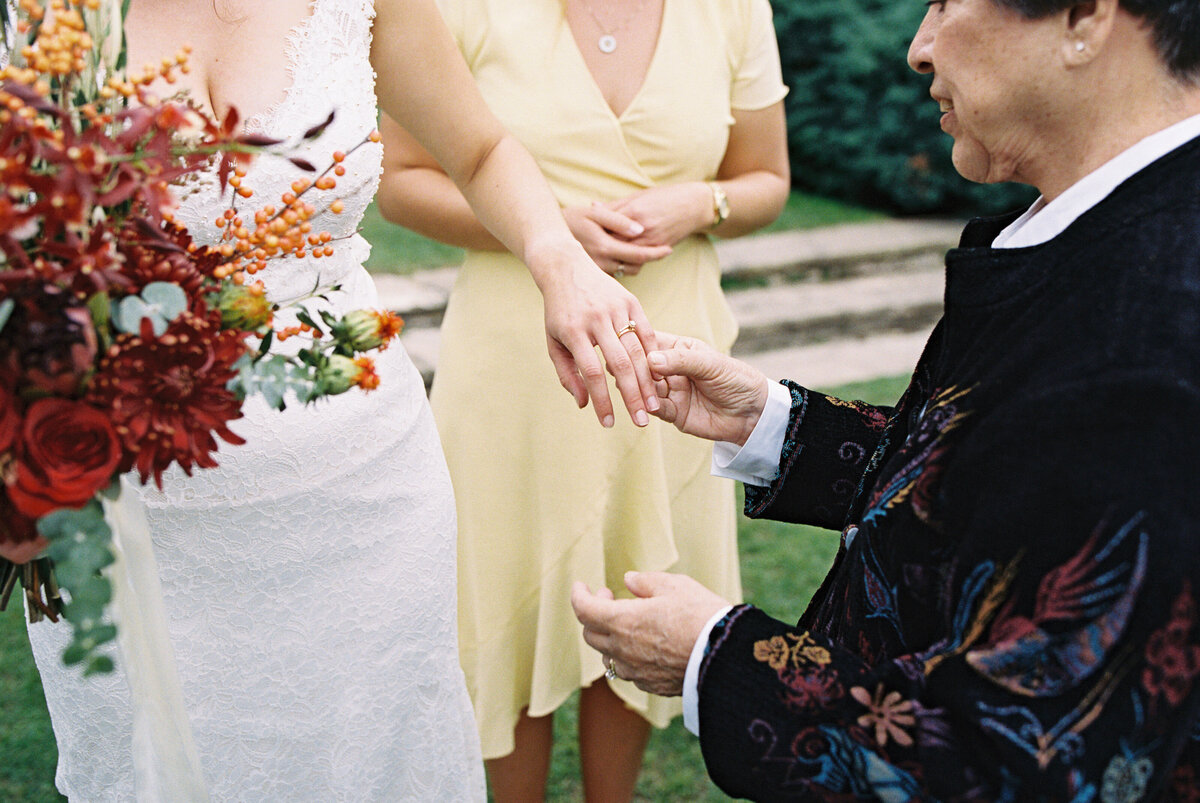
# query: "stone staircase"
{"type": "Point", "coordinates": [824, 306]}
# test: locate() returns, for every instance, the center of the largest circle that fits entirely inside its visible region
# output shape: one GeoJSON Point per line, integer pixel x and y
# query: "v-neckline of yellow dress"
{"type": "Point", "coordinates": [591, 78]}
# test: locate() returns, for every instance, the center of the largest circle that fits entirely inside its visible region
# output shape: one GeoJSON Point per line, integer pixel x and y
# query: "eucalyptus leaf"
{"type": "Point", "coordinates": [80, 547]}
{"type": "Point", "coordinates": [168, 298]}
{"type": "Point", "coordinates": [129, 314]}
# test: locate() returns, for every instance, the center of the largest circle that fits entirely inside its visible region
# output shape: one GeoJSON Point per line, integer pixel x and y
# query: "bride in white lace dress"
{"type": "Point", "coordinates": [309, 582]}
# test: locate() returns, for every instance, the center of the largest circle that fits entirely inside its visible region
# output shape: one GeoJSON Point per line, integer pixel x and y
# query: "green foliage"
{"type": "Point", "coordinates": [273, 376]}
{"type": "Point", "coordinates": [861, 124]}
{"type": "Point", "coordinates": [80, 547]}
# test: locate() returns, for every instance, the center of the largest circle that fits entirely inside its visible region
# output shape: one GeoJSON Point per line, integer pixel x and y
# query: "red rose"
{"type": "Point", "coordinates": [10, 418]}
{"type": "Point", "coordinates": [69, 451]}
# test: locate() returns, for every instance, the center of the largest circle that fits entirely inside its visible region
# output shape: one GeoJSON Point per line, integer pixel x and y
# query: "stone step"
{"type": "Point", "coordinates": [838, 362]}
{"type": "Point", "coordinates": [835, 301]}
{"type": "Point", "coordinates": [838, 329]}
{"type": "Point", "coordinates": [834, 252]}
{"type": "Point", "coordinates": [818, 365]}
{"type": "Point", "coordinates": [797, 313]}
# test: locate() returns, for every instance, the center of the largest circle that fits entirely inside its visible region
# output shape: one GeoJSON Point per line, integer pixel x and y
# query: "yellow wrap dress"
{"type": "Point", "coordinates": [545, 496]}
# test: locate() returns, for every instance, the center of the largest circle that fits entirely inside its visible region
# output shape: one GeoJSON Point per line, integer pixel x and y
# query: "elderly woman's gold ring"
{"type": "Point", "coordinates": [627, 328]}
{"type": "Point", "coordinates": [610, 670]}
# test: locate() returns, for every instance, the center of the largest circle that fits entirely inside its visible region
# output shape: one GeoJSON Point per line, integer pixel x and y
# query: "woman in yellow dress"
{"type": "Point", "coordinates": [656, 123]}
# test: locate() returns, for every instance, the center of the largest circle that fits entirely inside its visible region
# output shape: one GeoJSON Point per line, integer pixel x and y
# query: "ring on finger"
{"type": "Point", "coordinates": [620, 271]}
{"type": "Point", "coordinates": [631, 326]}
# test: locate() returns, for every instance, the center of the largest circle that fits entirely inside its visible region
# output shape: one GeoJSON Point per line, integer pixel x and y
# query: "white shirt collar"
{"type": "Point", "coordinates": [1045, 221]}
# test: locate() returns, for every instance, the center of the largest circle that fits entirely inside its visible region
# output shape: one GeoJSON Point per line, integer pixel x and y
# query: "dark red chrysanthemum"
{"type": "Point", "coordinates": [165, 254]}
{"type": "Point", "coordinates": [168, 396]}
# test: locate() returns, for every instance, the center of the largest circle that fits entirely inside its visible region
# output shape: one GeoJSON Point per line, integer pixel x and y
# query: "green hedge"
{"type": "Point", "coordinates": [861, 124]}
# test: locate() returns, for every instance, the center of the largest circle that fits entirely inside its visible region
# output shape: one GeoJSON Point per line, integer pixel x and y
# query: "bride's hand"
{"type": "Point", "coordinates": [585, 308]}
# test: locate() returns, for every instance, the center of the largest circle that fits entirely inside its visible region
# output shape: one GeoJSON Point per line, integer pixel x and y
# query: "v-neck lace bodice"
{"type": "Point", "coordinates": [331, 71]}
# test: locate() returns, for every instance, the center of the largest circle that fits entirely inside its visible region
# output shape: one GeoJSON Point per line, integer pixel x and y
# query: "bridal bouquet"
{"type": "Point", "coordinates": [124, 344]}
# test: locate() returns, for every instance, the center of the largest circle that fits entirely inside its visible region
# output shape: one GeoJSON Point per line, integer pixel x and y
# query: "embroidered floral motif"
{"type": "Point", "coordinates": [778, 654]}
{"type": "Point", "coordinates": [1173, 658]}
{"type": "Point", "coordinates": [886, 713]}
{"type": "Point", "coordinates": [774, 651]}
{"type": "Point", "coordinates": [1125, 779]}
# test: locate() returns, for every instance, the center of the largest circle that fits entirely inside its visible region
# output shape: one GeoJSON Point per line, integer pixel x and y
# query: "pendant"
{"type": "Point", "coordinates": [607, 43]}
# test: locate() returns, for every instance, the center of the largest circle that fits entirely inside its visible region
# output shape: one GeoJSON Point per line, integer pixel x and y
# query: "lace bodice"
{"type": "Point", "coordinates": [331, 71]}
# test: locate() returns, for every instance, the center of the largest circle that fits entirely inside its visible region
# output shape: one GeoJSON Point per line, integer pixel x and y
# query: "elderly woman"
{"type": "Point", "coordinates": [1012, 613]}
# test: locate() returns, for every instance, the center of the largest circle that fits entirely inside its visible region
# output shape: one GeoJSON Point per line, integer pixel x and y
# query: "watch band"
{"type": "Point", "coordinates": [720, 204]}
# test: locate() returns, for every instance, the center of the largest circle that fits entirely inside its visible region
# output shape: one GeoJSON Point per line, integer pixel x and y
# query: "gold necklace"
{"type": "Point", "coordinates": [608, 39]}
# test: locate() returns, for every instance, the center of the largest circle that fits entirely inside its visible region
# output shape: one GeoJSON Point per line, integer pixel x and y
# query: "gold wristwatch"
{"type": "Point", "coordinates": [720, 204]}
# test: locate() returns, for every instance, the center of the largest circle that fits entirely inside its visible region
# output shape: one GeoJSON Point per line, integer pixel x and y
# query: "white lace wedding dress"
{"type": "Point", "coordinates": [309, 582]}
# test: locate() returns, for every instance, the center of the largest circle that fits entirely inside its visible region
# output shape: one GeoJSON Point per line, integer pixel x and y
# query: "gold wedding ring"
{"type": "Point", "coordinates": [627, 328]}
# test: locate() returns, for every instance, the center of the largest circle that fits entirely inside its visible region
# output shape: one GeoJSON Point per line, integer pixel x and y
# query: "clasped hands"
{"type": "Point", "coordinates": [648, 639]}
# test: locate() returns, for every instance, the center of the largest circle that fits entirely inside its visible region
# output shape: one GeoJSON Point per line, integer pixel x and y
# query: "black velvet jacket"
{"type": "Point", "coordinates": [1013, 611]}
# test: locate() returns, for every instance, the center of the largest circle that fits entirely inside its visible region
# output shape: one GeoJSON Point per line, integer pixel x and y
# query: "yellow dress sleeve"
{"type": "Point", "coordinates": [467, 21]}
{"type": "Point", "coordinates": [757, 79]}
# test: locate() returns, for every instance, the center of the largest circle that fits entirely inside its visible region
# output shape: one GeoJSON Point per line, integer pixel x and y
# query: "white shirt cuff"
{"type": "Point", "coordinates": [691, 677]}
{"type": "Point", "coordinates": [757, 461]}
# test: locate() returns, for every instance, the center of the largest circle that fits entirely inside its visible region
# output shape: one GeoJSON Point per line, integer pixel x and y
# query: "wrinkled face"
{"type": "Point", "coordinates": [994, 82]}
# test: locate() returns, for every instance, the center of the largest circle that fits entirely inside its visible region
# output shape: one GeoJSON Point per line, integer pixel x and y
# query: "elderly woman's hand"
{"type": "Point", "coordinates": [606, 236]}
{"type": "Point", "coordinates": [647, 640]}
{"type": "Point", "coordinates": [706, 393]}
{"type": "Point", "coordinates": [585, 309]}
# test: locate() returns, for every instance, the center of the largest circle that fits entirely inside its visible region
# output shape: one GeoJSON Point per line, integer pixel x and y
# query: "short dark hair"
{"type": "Point", "coordinates": [1176, 25]}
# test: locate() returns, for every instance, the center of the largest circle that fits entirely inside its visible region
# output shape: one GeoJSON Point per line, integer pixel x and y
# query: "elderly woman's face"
{"type": "Point", "coordinates": [991, 83]}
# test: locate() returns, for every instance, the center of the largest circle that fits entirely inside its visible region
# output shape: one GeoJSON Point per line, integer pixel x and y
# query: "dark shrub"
{"type": "Point", "coordinates": [861, 124]}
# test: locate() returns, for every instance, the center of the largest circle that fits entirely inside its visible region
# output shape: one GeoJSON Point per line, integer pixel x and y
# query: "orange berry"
{"type": "Point", "coordinates": [245, 192]}
{"type": "Point", "coordinates": [337, 207]}
{"type": "Point", "coordinates": [339, 156]}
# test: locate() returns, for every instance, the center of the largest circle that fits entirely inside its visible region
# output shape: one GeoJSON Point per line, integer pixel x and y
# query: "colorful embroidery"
{"type": "Point", "coordinates": [886, 713]}
{"type": "Point", "coordinates": [1172, 654]}
{"type": "Point", "coordinates": [942, 416]}
{"type": "Point", "coordinates": [1081, 610]}
{"type": "Point", "coordinates": [1125, 780]}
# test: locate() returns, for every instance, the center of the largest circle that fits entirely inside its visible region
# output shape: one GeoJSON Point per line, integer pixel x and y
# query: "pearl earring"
{"type": "Point", "coordinates": [1079, 46]}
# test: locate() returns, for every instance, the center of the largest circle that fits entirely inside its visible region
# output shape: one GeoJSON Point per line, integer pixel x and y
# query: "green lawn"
{"type": "Point", "coordinates": [781, 567]}
{"type": "Point", "coordinates": [398, 250]}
